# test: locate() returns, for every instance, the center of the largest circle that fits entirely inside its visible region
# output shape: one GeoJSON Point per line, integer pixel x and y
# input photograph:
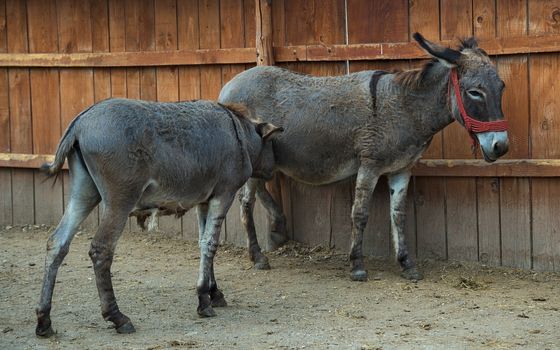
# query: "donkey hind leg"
{"type": "Point", "coordinates": [83, 198]}
{"type": "Point", "coordinates": [365, 185]}
{"type": "Point", "coordinates": [398, 184]}
{"type": "Point", "coordinates": [216, 295]}
{"type": "Point", "coordinates": [111, 225]}
{"type": "Point", "coordinates": [276, 218]}
{"type": "Point", "coordinates": [247, 199]}
{"type": "Point", "coordinates": [206, 285]}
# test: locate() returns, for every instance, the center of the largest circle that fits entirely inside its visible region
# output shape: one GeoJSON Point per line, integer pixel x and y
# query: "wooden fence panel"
{"type": "Point", "coordinates": [496, 220]}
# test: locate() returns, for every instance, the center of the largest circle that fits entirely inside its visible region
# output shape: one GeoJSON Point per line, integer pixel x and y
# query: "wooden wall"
{"type": "Point", "coordinates": [501, 220]}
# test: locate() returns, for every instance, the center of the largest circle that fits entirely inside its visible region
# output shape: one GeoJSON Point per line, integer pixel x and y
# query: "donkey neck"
{"type": "Point", "coordinates": [428, 103]}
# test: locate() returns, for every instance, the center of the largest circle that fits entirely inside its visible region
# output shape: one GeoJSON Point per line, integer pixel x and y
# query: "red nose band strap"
{"type": "Point", "coordinates": [472, 125]}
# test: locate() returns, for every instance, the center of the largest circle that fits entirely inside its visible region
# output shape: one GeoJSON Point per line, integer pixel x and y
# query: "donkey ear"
{"type": "Point", "coordinates": [266, 130]}
{"type": "Point", "coordinates": [448, 57]}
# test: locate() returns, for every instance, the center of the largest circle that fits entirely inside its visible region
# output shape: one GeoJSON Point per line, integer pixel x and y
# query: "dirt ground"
{"type": "Point", "coordinates": [305, 301]}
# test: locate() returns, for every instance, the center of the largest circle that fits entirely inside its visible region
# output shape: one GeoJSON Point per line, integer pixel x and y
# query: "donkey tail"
{"type": "Point", "coordinates": [64, 147]}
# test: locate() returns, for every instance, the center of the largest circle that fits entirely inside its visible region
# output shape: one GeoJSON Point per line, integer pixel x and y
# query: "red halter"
{"type": "Point", "coordinates": [473, 126]}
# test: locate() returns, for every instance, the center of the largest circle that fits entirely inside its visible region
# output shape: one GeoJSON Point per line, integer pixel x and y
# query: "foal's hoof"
{"type": "Point", "coordinates": [126, 328]}
{"type": "Point", "coordinates": [358, 275]}
{"type": "Point", "coordinates": [206, 312]}
{"type": "Point", "coordinates": [44, 332]}
{"type": "Point", "coordinates": [218, 299]}
{"type": "Point", "coordinates": [412, 274]}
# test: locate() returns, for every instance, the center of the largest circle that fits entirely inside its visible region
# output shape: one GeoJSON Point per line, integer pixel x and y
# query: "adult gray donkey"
{"type": "Point", "coordinates": [368, 124]}
{"type": "Point", "coordinates": [146, 158]}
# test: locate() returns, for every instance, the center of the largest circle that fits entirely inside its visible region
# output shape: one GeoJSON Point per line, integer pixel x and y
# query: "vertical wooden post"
{"type": "Point", "coordinates": [265, 57]}
{"type": "Point", "coordinates": [263, 15]}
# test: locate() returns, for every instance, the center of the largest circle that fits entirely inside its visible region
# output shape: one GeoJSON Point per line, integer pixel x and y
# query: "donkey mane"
{"type": "Point", "coordinates": [239, 110]}
{"type": "Point", "coordinates": [413, 78]}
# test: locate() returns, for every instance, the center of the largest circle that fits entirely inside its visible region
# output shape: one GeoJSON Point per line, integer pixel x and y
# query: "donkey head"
{"type": "Point", "coordinates": [475, 94]}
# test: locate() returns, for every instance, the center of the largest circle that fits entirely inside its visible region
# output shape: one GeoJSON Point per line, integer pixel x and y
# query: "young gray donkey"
{"type": "Point", "coordinates": [368, 124]}
{"type": "Point", "coordinates": [140, 158]}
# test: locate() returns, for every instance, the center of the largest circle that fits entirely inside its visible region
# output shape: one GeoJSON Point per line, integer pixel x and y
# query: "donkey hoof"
{"type": "Point", "coordinates": [218, 299]}
{"type": "Point", "coordinates": [206, 312]}
{"type": "Point", "coordinates": [412, 274]}
{"type": "Point", "coordinates": [277, 239]}
{"type": "Point", "coordinates": [262, 265]}
{"type": "Point", "coordinates": [358, 275]}
{"type": "Point", "coordinates": [126, 328]}
{"type": "Point", "coordinates": [44, 332]}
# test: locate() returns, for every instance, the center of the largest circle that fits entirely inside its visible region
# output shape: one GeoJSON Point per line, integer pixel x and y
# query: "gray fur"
{"type": "Point", "coordinates": [141, 158]}
{"type": "Point", "coordinates": [333, 132]}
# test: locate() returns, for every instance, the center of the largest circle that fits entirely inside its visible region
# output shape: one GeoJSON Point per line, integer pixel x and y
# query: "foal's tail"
{"type": "Point", "coordinates": [64, 147]}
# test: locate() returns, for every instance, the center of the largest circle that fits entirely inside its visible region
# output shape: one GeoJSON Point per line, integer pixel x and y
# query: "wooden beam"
{"type": "Point", "coordinates": [425, 167]}
{"type": "Point", "coordinates": [263, 16]}
{"type": "Point", "coordinates": [339, 52]}
{"type": "Point", "coordinates": [130, 59]}
{"type": "Point", "coordinates": [479, 168]}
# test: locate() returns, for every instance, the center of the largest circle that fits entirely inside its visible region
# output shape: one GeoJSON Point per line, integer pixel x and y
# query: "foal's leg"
{"type": "Point", "coordinates": [247, 199]}
{"type": "Point", "coordinates": [216, 295]}
{"type": "Point", "coordinates": [276, 218]}
{"type": "Point", "coordinates": [113, 220]}
{"type": "Point", "coordinates": [398, 184]}
{"type": "Point", "coordinates": [83, 198]}
{"type": "Point", "coordinates": [365, 184]}
{"type": "Point", "coordinates": [206, 286]}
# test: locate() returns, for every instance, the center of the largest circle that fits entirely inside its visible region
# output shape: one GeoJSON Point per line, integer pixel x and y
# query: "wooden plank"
{"type": "Point", "coordinates": [278, 23]}
{"type": "Point", "coordinates": [514, 71]}
{"type": "Point", "coordinates": [543, 19]}
{"type": "Point", "coordinates": [311, 213]}
{"type": "Point", "coordinates": [516, 242]}
{"type": "Point", "coordinates": [189, 85]}
{"type": "Point", "coordinates": [74, 26]}
{"type": "Point", "coordinates": [209, 24]}
{"type": "Point", "coordinates": [6, 205]}
{"type": "Point", "coordinates": [377, 234]}
{"type": "Point", "coordinates": [167, 80]}
{"type": "Point", "coordinates": [430, 222]}
{"type": "Point", "coordinates": [545, 224]}
{"type": "Point", "coordinates": [367, 24]}
{"type": "Point", "coordinates": [23, 208]}
{"type": "Point", "coordinates": [99, 25]}
{"type": "Point", "coordinates": [487, 189]}
{"type": "Point", "coordinates": [43, 37]}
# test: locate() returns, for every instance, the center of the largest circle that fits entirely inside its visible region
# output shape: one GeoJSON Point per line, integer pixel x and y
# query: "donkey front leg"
{"type": "Point", "coordinates": [208, 293]}
{"type": "Point", "coordinates": [101, 253]}
{"type": "Point", "coordinates": [247, 199]}
{"type": "Point", "coordinates": [365, 184]}
{"type": "Point", "coordinates": [398, 184]}
{"type": "Point", "coordinates": [276, 217]}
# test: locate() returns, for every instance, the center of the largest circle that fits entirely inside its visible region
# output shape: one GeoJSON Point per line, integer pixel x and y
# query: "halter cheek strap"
{"type": "Point", "coordinates": [472, 125]}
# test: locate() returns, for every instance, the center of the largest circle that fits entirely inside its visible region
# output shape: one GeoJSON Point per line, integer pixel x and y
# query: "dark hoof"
{"type": "Point", "coordinates": [126, 328]}
{"type": "Point", "coordinates": [44, 332]}
{"type": "Point", "coordinates": [277, 239]}
{"type": "Point", "coordinates": [262, 265]}
{"type": "Point", "coordinates": [261, 262]}
{"type": "Point", "coordinates": [412, 274]}
{"type": "Point", "coordinates": [206, 312]}
{"type": "Point", "coordinates": [218, 299]}
{"type": "Point", "coordinates": [359, 275]}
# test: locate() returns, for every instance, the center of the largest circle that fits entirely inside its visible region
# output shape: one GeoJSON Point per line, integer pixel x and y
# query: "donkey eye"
{"type": "Point", "coordinates": [475, 94]}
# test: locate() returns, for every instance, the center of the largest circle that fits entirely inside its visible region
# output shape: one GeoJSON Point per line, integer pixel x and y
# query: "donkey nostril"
{"type": "Point", "coordinates": [500, 148]}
